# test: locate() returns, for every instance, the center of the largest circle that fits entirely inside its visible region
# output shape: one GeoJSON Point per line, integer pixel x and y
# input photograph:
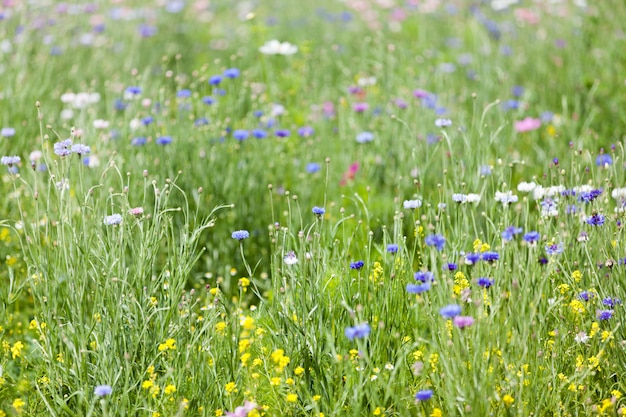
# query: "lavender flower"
{"type": "Point", "coordinates": [604, 314]}
{"type": "Point", "coordinates": [472, 258]}
{"type": "Point", "coordinates": [437, 241]}
{"type": "Point", "coordinates": [113, 219]}
{"type": "Point", "coordinates": [318, 211]}
{"type": "Point", "coordinates": [63, 148]}
{"type": "Point", "coordinates": [424, 276]}
{"type": "Point", "coordinates": [418, 288]}
{"type": "Point", "coordinates": [240, 234]}
{"type": "Point", "coordinates": [554, 249]}
{"type": "Point", "coordinates": [509, 233]}
{"type": "Point", "coordinates": [450, 311]}
{"type": "Point", "coordinates": [392, 248]}
{"type": "Point", "coordinates": [412, 204]}
{"type": "Point", "coordinates": [359, 331]}
{"type": "Point", "coordinates": [463, 321]}
{"type": "Point", "coordinates": [484, 282]}
{"type": "Point", "coordinates": [103, 390]}
{"type": "Point", "coordinates": [81, 149]}
{"type": "Point", "coordinates": [443, 122]}
{"type": "Point", "coordinates": [531, 237]}
{"type": "Point", "coordinates": [10, 160]}
{"type": "Point", "coordinates": [596, 219]}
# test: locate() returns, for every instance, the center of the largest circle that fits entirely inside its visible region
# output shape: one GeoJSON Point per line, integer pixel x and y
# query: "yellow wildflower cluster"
{"type": "Point", "coordinates": [479, 246]}
{"type": "Point", "coordinates": [244, 283]}
{"type": "Point", "coordinates": [279, 358]}
{"type": "Point", "coordinates": [377, 273]}
{"type": "Point", "coordinates": [460, 283]}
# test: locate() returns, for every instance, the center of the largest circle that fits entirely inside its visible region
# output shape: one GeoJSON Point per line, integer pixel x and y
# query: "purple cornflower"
{"type": "Point", "coordinates": [611, 302]}
{"type": "Point", "coordinates": [437, 241]}
{"type": "Point", "coordinates": [132, 91]}
{"type": "Point", "coordinates": [490, 256]}
{"type": "Point", "coordinates": [604, 159]}
{"type": "Point", "coordinates": [208, 100]}
{"type": "Point", "coordinates": [589, 196]}
{"type": "Point", "coordinates": [517, 90]}
{"type": "Point", "coordinates": [240, 234]}
{"type": "Point", "coordinates": [10, 160]}
{"type": "Point", "coordinates": [596, 219]}
{"type": "Point", "coordinates": [184, 93]}
{"type": "Point", "coordinates": [360, 107]}
{"type": "Point", "coordinates": [282, 133]}
{"type": "Point", "coordinates": [201, 121]}
{"type": "Point", "coordinates": [463, 321]}
{"type": "Point", "coordinates": [424, 395]}
{"type": "Point", "coordinates": [485, 282]}
{"type": "Point", "coordinates": [215, 80]}
{"type": "Point", "coordinates": [113, 219]}
{"type": "Point", "coordinates": [604, 314]}
{"type": "Point", "coordinates": [163, 140]}
{"type": "Point", "coordinates": [531, 237]}
{"type": "Point", "coordinates": [63, 148]}
{"type": "Point", "coordinates": [313, 167]}
{"type": "Point", "coordinates": [138, 141]}
{"type": "Point", "coordinates": [102, 390]}
{"type": "Point", "coordinates": [318, 211]}
{"type": "Point", "coordinates": [357, 265]}
{"type": "Point", "coordinates": [554, 249]}
{"type": "Point", "coordinates": [232, 73]}
{"type": "Point", "coordinates": [450, 311]}
{"type": "Point", "coordinates": [450, 267]}
{"type": "Point", "coordinates": [81, 149]}
{"type": "Point", "coordinates": [358, 332]}
{"type": "Point", "coordinates": [240, 134]}
{"type": "Point", "coordinates": [509, 233]}
{"type": "Point", "coordinates": [424, 276]}
{"type": "Point", "coordinates": [259, 133]}
{"type": "Point", "coordinates": [472, 258]}
{"type": "Point", "coordinates": [586, 295]}
{"type": "Point", "coordinates": [306, 131]}
{"type": "Point", "coordinates": [364, 137]}
{"type": "Point", "coordinates": [392, 248]}
{"type": "Point", "coordinates": [418, 288]}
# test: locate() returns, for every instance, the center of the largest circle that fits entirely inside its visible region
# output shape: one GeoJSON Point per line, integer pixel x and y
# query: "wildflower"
{"type": "Point", "coordinates": [360, 107]}
{"type": "Point", "coordinates": [364, 137]}
{"type": "Point", "coordinates": [240, 134]}
{"type": "Point", "coordinates": [135, 211]}
{"type": "Point", "coordinates": [531, 237]}
{"type": "Point", "coordinates": [443, 122]}
{"type": "Point", "coordinates": [240, 235]}
{"type": "Point", "coordinates": [81, 149]}
{"type": "Point", "coordinates": [102, 390]}
{"type": "Point", "coordinates": [581, 337]}
{"type": "Point", "coordinates": [450, 311]}
{"type": "Point", "coordinates": [596, 219]}
{"type": "Point", "coordinates": [506, 197]}
{"type": "Point", "coordinates": [306, 131]}
{"type": "Point", "coordinates": [509, 233]}
{"type": "Point", "coordinates": [424, 276]}
{"type": "Point", "coordinates": [63, 148]}
{"type": "Point", "coordinates": [412, 204]}
{"type": "Point", "coordinates": [437, 241]}
{"type": "Point", "coordinates": [7, 132]}
{"type": "Point", "coordinates": [318, 211]}
{"type": "Point", "coordinates": [359, 331]}
{"type": "Point", "coordinates": [259, 133]}
{"type": "Point", "coordinates": [101, 124]}
{"type": "Point", "coordinates": [16, 349]}
{"type": "Point", "coordinates": [313, 167]}
{"type": "Point", "coordinates": [357, 265]}
{"type": "Point", "coordinates": [484, 282]}
{"type": "Point", "coordinates": [18, 404]}
{"type": "Point", "coordinates": [290, 258]}
{"type": "Point", "coordinates": [230, 387]}
{"type": "Point", "coordinates": [170, 389]}
{"type": "Point", "coordinates": [554, 249]}
{"type": "Point", "coordinates": [611, 302]}
{"type": "Point", "coordinates": [528, 124]}
{"type": "Point", "coordinates": [232, 73]}
{"type": "Point", "coordinates": [163, 140]}
{"type": "Point", "coordinates": [275, 47]}
{"type": "Point", "coordinates": [208, 100]}
{"type": "Point", "coordinates": [424, 395]}
{"type": "Point", "coordinates": [138, 141]}
{"type": "Point", "coordinates": [169, 344]}
{"type": "Point", "coordinates": [603, 160]}
{"type": "Point", "coordinates": [215, 80]}
{"type": "Point", "coordinates": [450, 267]}
{"type": "Point", "coordinates": [463, 321]}
{"type": "Point", "coordinates": [589, 196]}
{"type": "Point", "coordinates": [472, 258]}
{"type": "Point", "coordinates": [418, 288]}
{"type": "Point", "coordinates": [10, 160]}
{"type": "Point", "coordinates": [604, 314]}
{"type": "Point", "coordinates": [242, 410]}
{"type": "Point", "coordinates": [291, 397]}
{"type": "Point", "coordinates": [526, 187]}
{"type": "Point", "coordinates": [113, 219]}
{"type": "Point", "coordinates": [392, 248]}
{"type": "Point", "coordinates": [490, 256]}
{"type": "Point", "coordinates": [508, 400]}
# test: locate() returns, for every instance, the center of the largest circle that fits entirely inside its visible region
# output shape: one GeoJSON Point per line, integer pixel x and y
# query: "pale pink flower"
{"type": "Point", "coordinates": [528, 124]}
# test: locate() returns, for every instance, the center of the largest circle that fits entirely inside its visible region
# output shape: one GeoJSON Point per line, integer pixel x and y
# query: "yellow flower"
{"type": "Point", "coordinates": [247, 322]}
{"type": "Point", "coordinates": [275, 381]}
{"type": "Point", "coordinates": [170, 389]}
{"type": "Point", "coordinates": [169, 344]}
{"type": "Point", "coordinates": [606, 335]}
{"type": "Point", "coordinates": [219, 327]}
{"type": "Point", "coordinates": [243, 345]}
{"type": "Point", "coordinates": [219, 412]}
{"type": "Point", "coordinates": [316, 398]}
{"type": "Point", "coordinates": [617, 394]}
{"type": "Point", "coordinates": [299, 371]}
{"type": "Point", "coordinates": [16, 349]}
{"type": "Point", "coordinates": [230, 387]}
{"type": "Point", "coordinates": [244, 282]}
{"type": "Point", "coordinates": [577, 306]}
{"type": "Point", "coordinates": [563, 288]}
{"type": "Point", "coordinates": [147, 384]}
{"type": "Point", "coordinates": [436, 413]}
{"type": "Point", "coordinates": [377, 411]}
{"type": "Point", "coordinates": [577, 275]}
{"type": "Point", "coordinates": [244, 359]}
{"type": "Point", "coordinates": [18, 404]}
{"type": "Point", "coordinates": [291, 398]}
{"type": "Point", "coordinates": [289, 381]}
{"type": "Point", "coordinates": [508, 400]}
{"type": "Point", "coordinates": [156, 414]}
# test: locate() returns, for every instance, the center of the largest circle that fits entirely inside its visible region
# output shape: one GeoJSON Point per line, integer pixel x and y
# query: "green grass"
{"type": "Point", "coordinates": [181, 319]}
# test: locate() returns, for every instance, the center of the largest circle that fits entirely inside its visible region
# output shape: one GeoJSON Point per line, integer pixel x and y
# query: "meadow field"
{"type": "Point", "coordinates": [322, 208]}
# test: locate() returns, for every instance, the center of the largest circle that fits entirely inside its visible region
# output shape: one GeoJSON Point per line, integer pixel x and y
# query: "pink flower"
{"type": "Point", "coordinates": [242, 410]}
{"type": "Point", "coordinates": [136, 211]}
{"type": "Point", "coordinates": [463, 321]}
{"type": "Point", "coordinates": [527, 124]}
{"type": "Point", "coordinates": [349, 174]}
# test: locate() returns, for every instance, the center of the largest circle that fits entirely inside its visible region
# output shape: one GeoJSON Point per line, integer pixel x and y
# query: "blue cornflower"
{"type": "Point", "coordinates": [215, 80]}
{"type": "Point", "coordinates": [138, 141]}
{"type": "Point", "coordinates": [81, 149]}
{"type": "Point", "coordinates": [357, 265]}
{"type": "Point", "coordinates": [306, 131]}
{"type": "Point", "coordinates": [450, 311]}
{"type": "Point", "coordinates": [511, 105]}
{"type": "Point", "coordinates": [318, 211]}
{"type": "Point", "coordinates": [450, 267]}
{"type": "Point", "coordinates": [7, 132]}
{"type": "Point", "coordinates": [596, 219]}
{"type": "Point", "coordinates": [282, 133]}
{"type": "Point", "coordinates": [102, 390]}
{"type": "Point", "coordinates": [202, 121]}
{"type": "Point", "coordinates": [586, 295]}
{"type": "Point", "coordinates": [490, 256]}
{"type": "Point", "coordinates": [113, 219]}
{"type": "Point", "coordinates": [147, 120]}
{"type": "Point", "coordinates": [10, 160]}
{"type": "Point", "coordinates": [424, 276]}
{"type": "Point", "coordinates": [240, 134]}
{"type": "Point", "coordinates": [358, 332]}
{"type": "Point", "coordinates": [472, 258]}
{"type": "Point", "coordinates": [424, 395]}
{"type": "Point", "coordinates": [437, 241]}
{"type": "Point", "coordinates": [208, 100]}
{"type": "Point", "coordinates": [418, 288]}
{"type": "Point", "coordinates": [259, 133]}
{"type": "Point", "coordinates": [313, 167]}
{"type": "Point", "coordinates": [554, 249]}
{"type": "Point", "coordinates": [119, 104]}
{"type": "Point", "coordinates": [589, 196]}
{"type": "Point", "coordinates": [604, 314]}
{"type": "Point", "coordinates": [257, 113]}
{"type": "Point", "coordinates": [604, 159]}
{"type": "Point", "coordinates": [531, 237]}
{"type": "Point", "coordinates": [133, 91]}
{"type": "Point", "coordinates": [509, 233]}
{"type": "Point", "coordinates": [240, 234]}
{"type": "Point", "coordinates": [364, 137]}
{"type": "Point", "coordinates": [232, 73]}
{"type": "Point", "coordinates": [63, 148]}
{"type": "Point", "coordinates": [611, 302]}
{"type": "Point", "coordinates": [392, 248]}
{"type": "Point", "coordinates": [184, 93]}
{"type": "Point", "coordinates": [517, 90]}
{"type": "Point", "coordinates": [485, 282]}
{"type": "Point", "coordinates": [163, 140]}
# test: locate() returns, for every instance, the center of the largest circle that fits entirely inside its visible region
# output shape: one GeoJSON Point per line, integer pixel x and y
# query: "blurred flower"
{"type": "Point", "coordinates": [103, 390]}
{"type": "Point", "coordinates": [490, 256]}
{"type": "Point", "coordinates": [113, 219]}
{"type": "Point", "coordinates": [242, 410]}
{"type": "Point", "coordinates": [450, 311]}
{"type": "Point", "coordinates": [424, 276]}
{"type": "Point", "coordinates": [531, 237]}
{"type": "Point", "coordinates": [10, 160]}
{"type": "Point", "coordinates": [364, 137]}
{"type": "Point", "coordinates": [240, 235]}
{"type": "Point", "coordinates": [484, 282]}
{"type": "Point", "coordinates": [163, 140]}
{"type": "Point", "coordinates": [313, 167]}
{"type": "Point", "coordinates": [506, 197]}
{"type": "Point", "coordinates": [240, 134]}
{"type": "Point", "coordinates": [7, 132]}
{"type": "Point", "coordinates": [604, 160]}
{"type": "Point", "coordinates": [81, 149]}
{"type": "Point", "coordinates": [412, 204]}
{"type": "Point", "coordinates": [604, 314]}
{"type": "Point", "coordinates": [359, 331]}
{"type": "Point", "coordinates": [554, 249]}
{"type": "Point", "coordinates": [63, 148]}
{"type": "Point", "coordinates": [215, 80]}
{"type": "Point", "coordinates": [424, 395]}
{"type": "Point", "coordinates": [528, 124]}
{"type": "Point", "coordinates": [443, 122]}
{"type": "Point", "coordinates": [437, 241]}
{"type": "Point", "coordinates": [357, 265]}
{"type": "Point", "coordinates": [596, 219]}
{"type": "Point", "coordinates": [231, 73]}
{"type": "Point", "coordinates": [318, 211]}
{"type": "Point", "coordinates": [275, 47]}
{"type": "Point", "coordinates": [306, 131]}
{"type": "Point", "coordinates": [418, 288]}
{"type": "Point", "coordinates": [509, 233]}
{"type": "Point", "coordinates": [290, 258]}
{"type": "Point", "coordinates": [463, 321]}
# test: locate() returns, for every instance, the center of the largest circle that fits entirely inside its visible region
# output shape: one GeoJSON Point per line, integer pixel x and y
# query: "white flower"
{"type": "Point", "coordinates": [618, 193]}
{"type": "Point", "coordinates": [275, 47]}
{"type": "Point", "coordinates": [473, 198]}
{"type": "Point", "coordinates": [581, 338]}
{"type": "Point", "coordinates": [135, 124]}
{"type": "Point", "coordinates": [526, 187]}
{"type": "Point", "coordinates": [290, 258]}
{"type": "Point", "coordinates": [412, 204]}
{"type": "Point", "coordinates": [499, 5]}
{"type": "Point", "coordinates": [366, 81]}
{"type": "Point", "coordinates": [506, 198]}
{"type": "Point", "coordinates": [67, 114]}
{"type": "Point", "coordinates": [100, 124]}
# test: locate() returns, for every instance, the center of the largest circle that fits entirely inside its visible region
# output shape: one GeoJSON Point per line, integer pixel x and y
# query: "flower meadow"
{"type": "Point", "coordinates": [345, 208]}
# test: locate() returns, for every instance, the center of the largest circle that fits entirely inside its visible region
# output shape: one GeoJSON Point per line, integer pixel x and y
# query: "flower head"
{"type": "Point", "coordinates": [240, 234]}
{"type": "Point", "coordinates": [275, 47]}
{"type": "Point", "coordinates": [102, 390]}
{"type": "Point", "coordinates": [10, 160]}
{"type": "Point", "coordinates": [443, 122]}
{"type": "Point", "coordinates": [485, 282]}
{"type": "Point", "coordinates": [424, 395]}
{"type": "Point", "coordinates": [231, 73]}
{"type": "Point", "coordinates": [412, 204]}
{"type": "Point", "coordinates": [424, 276]}
{"type": "Point", "coordinates": [359, 331]}
{"type": "Point", "coordinates": [318, 211]}
{"type": "Point", "coordinates": [531, 237]}
{"type": "Point", "coordinates": [596, 219]}
{"type": "Point", "coordinates": [81, 149]}
{"type": "Point", "coordinates": [450, 311]}
{"type": "Point", "coordinates": [290, 258]}
{"type": "Point", "coordinates": [63, 148]}
{"type": "Point", "coordinates": [418, 288]}
{"type": "Point", "coordinates": [357, 265]}
{"type": "Point", "coordinates": [163, 140]}
{"type": "Point", "coordinates": [463, 321]}
{"type": "Point", "coordinates": [437, 241]}
{"type": "Point", "coordinates": [509, 233]}
{"type": "Point", "coordinates": [113, 219]}
{"type": "Point", "coordinates": [604, 314]}
{"type": "Point", "coordinates": [364, 137]}
{"type": "Point", "coordinates": [392, 248]}
{"type": "Point", "coordinates": [528, 124]}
